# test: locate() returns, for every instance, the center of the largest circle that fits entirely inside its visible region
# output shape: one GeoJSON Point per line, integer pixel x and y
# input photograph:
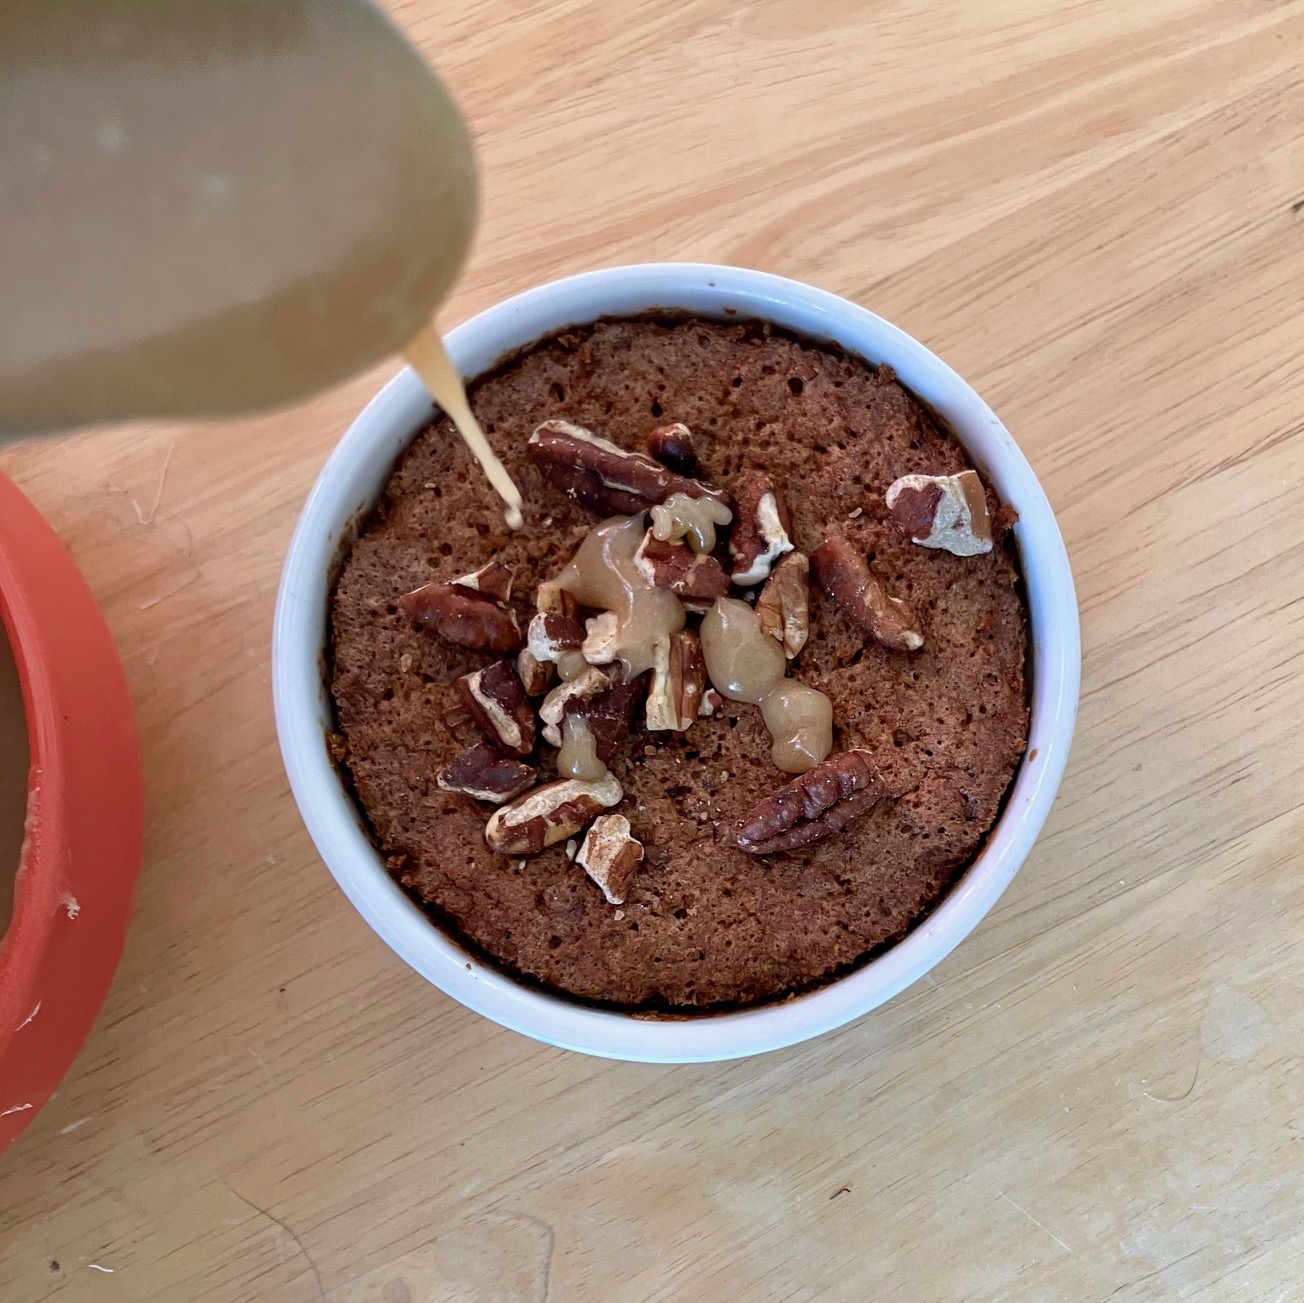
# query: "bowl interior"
{"type": "Point", "coordinates": [349, 486]}
{"type": "Point", "coordinates": [13, 777]}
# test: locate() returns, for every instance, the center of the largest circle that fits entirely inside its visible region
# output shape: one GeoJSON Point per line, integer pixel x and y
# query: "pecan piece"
{"type": "Point", "coordinates": [602, 476]}
{"type": "Point", "coordinates": [687, 678]}
{"type": "Point", "coordinates": [548, 639]}
{"type": "Point", "coordinates": [943, 511]}
{"type": "Point", "coordinates": [555, 600]}
{"type": "Point", "coordinates": [536, 675]}
{"type": "Point", "coordinates": [463, 616]}
{"type": "Point", "coordinates": [672, 445]}
{"type": "Point", "coordinates": [607, 707]}
{"type": "Point", "coordinates": [688, 574]}
{"type": "Point", "coordinates": [610, 855]}
{"type": "Point", "coordinates": [712, 704]}
{"type": "Point", "coordinates": [591, 683]}
{"type": "Point", "coordinates": [549, 814]}
{"type": "Point", "coordinates": [496, 700]}
{"type": "Point", "coordinates": [762, 533]}
{"type": "Point", "coordinates": [493, 580]}
{"type": "Point", "coordinates": [551, 635]}
{"type": "Point", "coordinates": [783, 608]}
{"type": "Point", "coordinates": [481, 772]}
{"type": "Point", "coordinates": [815, 805]}
{"type": "Point", "coordinates": [601, 644]}
{"type": "Point", "coordinates": [608, 714]}
{"type": "Point", "coordinates": [844, 574]}
{"type": "Point", "coordinates": [662, 709]}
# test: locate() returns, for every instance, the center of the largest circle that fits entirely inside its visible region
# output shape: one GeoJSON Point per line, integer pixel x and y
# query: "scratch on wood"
{"type": "Point", "coordinates": [147, 517]}
{"type": "Point", "coordinates": [297, 1242]}
{"type": "Point", "coordinates": [1035, 1222]}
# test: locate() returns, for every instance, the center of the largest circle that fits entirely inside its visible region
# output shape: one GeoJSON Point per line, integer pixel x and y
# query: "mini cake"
{"type": "Point", "coordinates": [733, 710]}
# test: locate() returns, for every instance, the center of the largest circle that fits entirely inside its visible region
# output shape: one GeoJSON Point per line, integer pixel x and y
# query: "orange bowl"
{"type": "Point", "coordinates": [81, 856]}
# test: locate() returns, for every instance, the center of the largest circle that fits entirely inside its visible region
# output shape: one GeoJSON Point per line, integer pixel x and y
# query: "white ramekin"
{"type": "Point", "coordinates": [352, 480]}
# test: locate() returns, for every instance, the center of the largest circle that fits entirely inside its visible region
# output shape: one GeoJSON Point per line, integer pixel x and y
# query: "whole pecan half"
{"type": "Point", "coordinates": [496, 700]}
{"type": "Point", "coordinates": [463, 616]}
{"type": "Point", "coordinates": [481, 772]}
{"type": "Point", "coordinates": [844, 574]}
{"type": "Point", "coordinates": [604, 477]}
{"type": "Point", "coordinates": [550, 814]}
{"type": "Point", "coordinates": [762, 531]}
{"type": "Point", "coordinates": [815, 805]}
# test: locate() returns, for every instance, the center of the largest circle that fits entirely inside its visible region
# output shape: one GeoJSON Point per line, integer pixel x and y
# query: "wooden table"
{"type": "Point", "coordinates": [1095, 211]}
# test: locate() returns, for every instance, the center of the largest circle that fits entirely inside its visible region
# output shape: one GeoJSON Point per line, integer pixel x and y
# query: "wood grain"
{"type": "Point", "coordinates": [1096, 213]}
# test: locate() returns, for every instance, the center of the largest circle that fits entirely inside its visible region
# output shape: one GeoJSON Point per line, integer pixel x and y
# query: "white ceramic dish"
{"type": "Point", "coordinates": [349, 485]}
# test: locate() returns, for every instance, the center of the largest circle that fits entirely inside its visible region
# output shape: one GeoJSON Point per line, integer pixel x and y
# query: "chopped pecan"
{"type": "Point", "coordinates": [591, 683]}
{"type": "Point", "coordinates": [481, 772]}
{"type": "Point", "coordinates": [712, 704]}
{"type": "Point", "coordinates": [554, 599]}
{"type": "Point", "coordinates": [672, 445]}
{"type": "Point", "coordinates": [536, 675]}
{"type": "Point", "coordinates": [816, 804]}
{"type": "Point", "coordinates": [675, 566]}
{"type": "Point", "coordinates": [497, 702]}
{"type": "Point", "coordinates": [610, 855]}
{"type": "Point", "coordinates": [694, 519]}
{"type": "Point", "coordinates": [662, 710]}
{"type": "Point", "coordinates": [687, 678]}
{"type": "Point", "coordinates": [463, 616]}
{"type": "Point", "coordinates": [783, 608]}
{"type": "Point", "coordinates": [762, 533]}
{"type": "Point", "coordinates": [551, 637]}
{"type": "Point", "coordinates": [493, 580]}
{"type": "Point", "coordinates": [943, 511]}
{"type": "Point", "coordinates": [608, 714]}
{"type": "Point", "coordinates": [601, 644]}
{"type": "Point", "coordinates": [844, 574]}
{"type": "Point", "coordinates": [549, 814]}
{"type": "Point", "coordinates": [606, 705]}
{"type": "Point", "coordinates": [548, 639]}
{"type": "Point", "coordinates": [602, 476]}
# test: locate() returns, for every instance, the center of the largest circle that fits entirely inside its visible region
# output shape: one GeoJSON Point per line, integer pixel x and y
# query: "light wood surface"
{"type": "Point", "coordinates": [1095, 211]}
